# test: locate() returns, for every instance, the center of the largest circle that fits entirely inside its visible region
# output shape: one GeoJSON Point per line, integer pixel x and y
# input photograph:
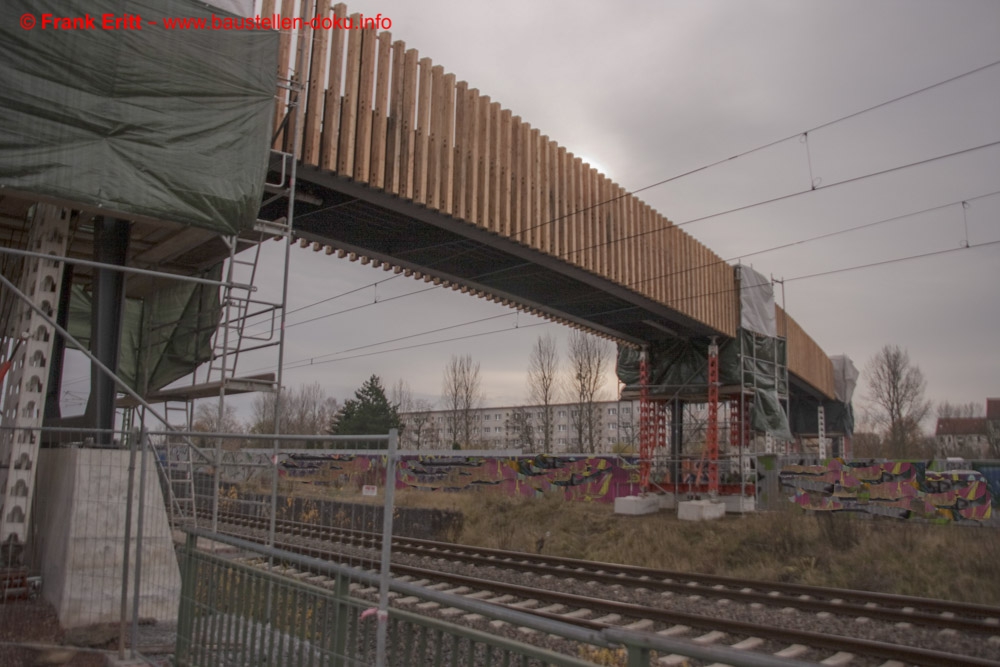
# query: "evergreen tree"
{"type": "Point", "coordinates": [368, 413]}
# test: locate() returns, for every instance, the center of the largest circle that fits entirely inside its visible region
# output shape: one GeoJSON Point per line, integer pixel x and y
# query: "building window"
{"type": "Point", "coordinates": [562, 413]}
{"type": "Point", "coordinates": [612, 427]}
{"type": "Point", "coordinates": [561, 427]}
{"type": "Point", "coordinates": [626, 411]}
{"type": "Point", "coordinates": [612, 411]}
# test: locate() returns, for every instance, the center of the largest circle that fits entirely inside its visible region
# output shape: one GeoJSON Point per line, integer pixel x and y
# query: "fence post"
{"type": "Point", "coordinates": [185, 613]}
{"type": "Point", "coordinates": [133, 437]}
{"type": "Point", "coordinates": [143, 442]}
{"type": "Point", "coordinates": [341, 592]}
{"type": "Point", "coordinates": [387, 508]}
{"type": "Point", "coordinates": [638, 656]}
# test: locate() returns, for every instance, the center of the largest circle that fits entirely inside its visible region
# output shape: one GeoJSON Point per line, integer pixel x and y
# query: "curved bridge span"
{"type": "Point", "coordinates": [405, 167]}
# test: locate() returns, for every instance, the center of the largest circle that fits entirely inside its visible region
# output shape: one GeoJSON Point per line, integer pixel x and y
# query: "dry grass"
{"type": "Point", "coordinates": [943, 561]}
{"type": "Point", "coordinates": [838, 550]}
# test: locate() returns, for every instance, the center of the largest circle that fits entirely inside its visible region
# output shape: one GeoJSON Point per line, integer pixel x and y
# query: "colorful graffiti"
{"type": "Point", "coordinates": [589, 478]}
{"type": "Point", "coordinates": [897, 489]}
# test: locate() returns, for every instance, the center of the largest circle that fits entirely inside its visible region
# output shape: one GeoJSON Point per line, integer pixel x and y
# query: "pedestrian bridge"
{"type": "Point", "coordinates": [405, 167]}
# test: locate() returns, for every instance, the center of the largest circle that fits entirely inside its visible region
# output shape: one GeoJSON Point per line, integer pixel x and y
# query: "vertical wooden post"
{"type": "Point", "coordinates": [349, 112]}
{"type": "Point", "coordinates": [461, 141]}
{"type": "Point", "coordinates": [422, 133]}
{"type": "Point", "coordinates": [482, 111]}
{"type": "Point", "coordinates": [437, 113]}
{"type": "Point", "coordinates": [330, 142]}
{"type": "Point", "coordinates": [394, 130]}
{"type": "Point", "coordinates": [316, 92]}
{"type": "Point", "coordinates": [376, 174]}
{"type": "Point", "coordinates": [505, 191]}
{"type": "Point", "coordinates": [366, 89]}
{"type": "Point", "coordinates": [407, 133]}
{"type": "Point", "coordinates": [448, 145]}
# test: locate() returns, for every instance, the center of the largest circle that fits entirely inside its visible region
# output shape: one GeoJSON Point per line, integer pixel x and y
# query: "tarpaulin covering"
{"type": "Point", "coordinates": [845, 377]}
{"type": "Point", "coordinates": [838, 416]}
{"type": "Point", "coordinates": [164, 337]}
{"type": "Point", "coordinates": [680, 367]}
{"type": "Point", "coordinates": [152, 122]}
{"type": "Point", "coordinates": [756, 302]}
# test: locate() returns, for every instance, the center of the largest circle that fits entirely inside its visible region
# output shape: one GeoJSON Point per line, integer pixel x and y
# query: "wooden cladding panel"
{"type": "Point", "coordinates": [421, 147]}
{"type": "Point", "coordinates": [366, 89]}
{"type": "Point", "coordinates": [461, 130]}
{"type": "Point", "coordinates": [376, 177]}
{"type": "Point", "coordinates": [377, 113]}
{"type": "Point", "coordinates": [434, 139]}
{"type": "Point", "coordinates": [394, 132]}
{"type": "Point", "coordinates": [447, 179]}
{"type": "Point", "coordinates": [805, 358]}
{"type": "Point", "coordinates": [483, 158]}
{"type": "Point", "coordinates": [503, 158]}
{"type": "Point", "coordinates": [320, 61]}
{"type": "Point", "coordinates": [407, 132]}
{"type": "Point", "coordinates": [495, 122]}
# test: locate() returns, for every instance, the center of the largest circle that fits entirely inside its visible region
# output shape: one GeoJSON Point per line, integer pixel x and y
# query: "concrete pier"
{"type": "Point", "coordinates": [79, 537]}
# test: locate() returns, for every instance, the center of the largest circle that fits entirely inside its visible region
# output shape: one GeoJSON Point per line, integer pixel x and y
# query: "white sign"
{"type": "Point", "coordinates": [369, 490]}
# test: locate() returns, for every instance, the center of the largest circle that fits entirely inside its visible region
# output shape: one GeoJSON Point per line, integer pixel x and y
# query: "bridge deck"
{"type": "Point", "coordinates": [411, 149]}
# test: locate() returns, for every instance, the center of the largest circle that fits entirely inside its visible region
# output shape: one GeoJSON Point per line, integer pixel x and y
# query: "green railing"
{"type": "Point", "coordinates": [237, 611]}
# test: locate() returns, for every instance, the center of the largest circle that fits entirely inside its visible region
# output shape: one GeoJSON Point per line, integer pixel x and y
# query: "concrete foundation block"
{"type": "Point", "coordinates": [79, 538]}
{"type": "Point", "coordinates": [738, 504]}
{"type": "Point", "coordinates": [668, 501]}
{"type": "Point", "coordinates": [636, 505]}
{"type": "Point", "coordinates": [700, 510]}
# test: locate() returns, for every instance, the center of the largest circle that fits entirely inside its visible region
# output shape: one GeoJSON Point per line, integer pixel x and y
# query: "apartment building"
{"type": "Point", "coordinates": [613, 423]}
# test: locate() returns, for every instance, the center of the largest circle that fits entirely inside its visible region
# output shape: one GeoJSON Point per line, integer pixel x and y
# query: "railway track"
{"type": "Point", "coordinates": [791, 620]}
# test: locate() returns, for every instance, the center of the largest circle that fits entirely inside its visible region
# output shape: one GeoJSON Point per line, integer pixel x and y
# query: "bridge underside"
{"type": "Point", "coordinates": [355, 218]}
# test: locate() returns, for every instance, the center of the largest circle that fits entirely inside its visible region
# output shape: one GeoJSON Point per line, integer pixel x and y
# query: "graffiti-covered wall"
{"type": "Point", "coordinates": [592, 478]}
{"type": "Point", "coordinates": [898, 489]}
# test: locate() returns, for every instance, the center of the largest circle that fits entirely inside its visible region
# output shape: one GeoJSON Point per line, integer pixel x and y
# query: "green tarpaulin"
{"type": "Point", "coordinates": [680, 366]}
{"type": "Point", "coordinates": [151, 122]}
{"type": "Point", "coordinates": [164, 337]}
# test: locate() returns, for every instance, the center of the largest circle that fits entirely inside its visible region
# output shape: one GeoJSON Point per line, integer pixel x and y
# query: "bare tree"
{"type": "Point", "coordinates": [948, 410]}
{"type": "Point", "coordinates": [588, 360]}
{"type": "Point", "coordinates": [306, 410]}
{"type": "Point", "coordinates": [206, 420]}
{"type": "Point", "coordinates": [421, 430]}
{"type": "Point", "coordinates": [463, 395]}
{"type": "Point", "coordinates": [543, 370]}
{"type": "Point", "coordinates": [896, 392]}
{"type": "Point", "coordinates": [993, 437]}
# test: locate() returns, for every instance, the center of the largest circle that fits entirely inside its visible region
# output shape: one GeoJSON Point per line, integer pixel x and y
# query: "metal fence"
{"type": "Point", "coordinates": [305, 611]}
{"type": "Point", "coordinates": [100, 550]}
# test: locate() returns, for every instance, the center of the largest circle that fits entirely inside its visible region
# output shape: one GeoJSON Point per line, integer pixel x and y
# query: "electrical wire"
{"type": "Point", "coordinates": [804, 133]}
{"type": "Point", "coordinates": [858, 267]}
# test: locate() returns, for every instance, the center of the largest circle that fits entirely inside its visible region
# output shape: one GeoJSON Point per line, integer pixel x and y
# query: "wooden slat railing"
{"type": "Point", "coordinates": [378, 113]}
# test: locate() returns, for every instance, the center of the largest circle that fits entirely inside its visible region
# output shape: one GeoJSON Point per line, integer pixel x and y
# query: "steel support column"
{"type": "Point", "coordinates": [107, 308]}
{"type": "Point", "coordinates": [712, 430]}
{"type": "Point", "coordinates": [647, 427]}
{"type": "Point", "coordinates": [24, 400]}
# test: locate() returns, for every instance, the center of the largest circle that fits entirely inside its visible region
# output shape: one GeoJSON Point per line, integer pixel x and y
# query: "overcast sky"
{"type": "Point", "coordinates": [650, 90]}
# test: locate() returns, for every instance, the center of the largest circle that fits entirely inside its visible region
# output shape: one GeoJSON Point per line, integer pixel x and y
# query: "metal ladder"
{"type": "Point", "coordinates": [176, 465]}
{"type": "Point", "coordinates": [239, 306]}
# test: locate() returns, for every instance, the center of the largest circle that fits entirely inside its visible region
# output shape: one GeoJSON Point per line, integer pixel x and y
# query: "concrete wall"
{"type": "Point", "coordinates": [79, 534]}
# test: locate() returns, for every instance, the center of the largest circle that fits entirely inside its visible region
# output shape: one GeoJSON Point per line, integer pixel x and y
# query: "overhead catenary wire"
{"type": "Point", "coordinates": [813, 186]}
{"type": "Point", "coordinates": [964, 202]}
{"type": "Point", "coordinates": [858, 267]}
{"type": "Point", "coordinates": [799, 135]}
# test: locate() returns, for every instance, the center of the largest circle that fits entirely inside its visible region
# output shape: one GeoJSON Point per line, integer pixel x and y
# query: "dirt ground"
{"type": "Point", "coordinates": [30, 635]}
